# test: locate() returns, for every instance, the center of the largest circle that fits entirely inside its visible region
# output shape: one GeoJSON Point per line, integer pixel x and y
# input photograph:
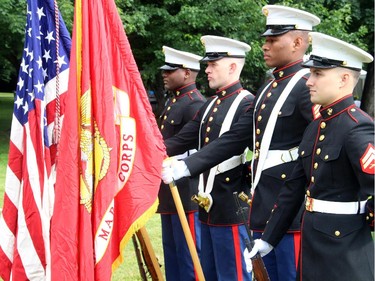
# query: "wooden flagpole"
{"type": "Point", "coordinates": [149, 257]}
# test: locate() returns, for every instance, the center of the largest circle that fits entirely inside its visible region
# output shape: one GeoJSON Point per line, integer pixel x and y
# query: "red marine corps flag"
{"type": "Point", "coordinates": [110, 152]}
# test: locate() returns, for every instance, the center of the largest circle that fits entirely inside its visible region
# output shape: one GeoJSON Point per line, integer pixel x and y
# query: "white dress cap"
{"type": "Point", "coordinates": [330, 52]}
{"type": "Point", "coordinates": [175, 59]}
{"type": "Point", "coordinates": [219, 47]}
{"type": "Point", "coordinates": [281, 19]}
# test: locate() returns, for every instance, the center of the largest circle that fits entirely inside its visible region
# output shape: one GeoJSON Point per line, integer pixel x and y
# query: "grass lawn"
{"type": "Point", "coordinates": [128, 271]}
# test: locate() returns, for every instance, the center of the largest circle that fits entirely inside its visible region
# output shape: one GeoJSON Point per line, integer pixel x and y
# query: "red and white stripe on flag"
{"type": "Point", "coordinates": [30, 177]}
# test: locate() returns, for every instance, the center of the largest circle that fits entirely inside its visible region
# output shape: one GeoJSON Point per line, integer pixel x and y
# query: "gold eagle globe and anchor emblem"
{"type": "Point", "coordinates": [95, 154]}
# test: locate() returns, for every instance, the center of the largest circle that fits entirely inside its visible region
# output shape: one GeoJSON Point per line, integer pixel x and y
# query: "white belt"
{"type": "Point", "coordinates": [224, 166]}
{"type": "Point", "coordinates": [184, 155]}
{"type": "Point", "coordinates": [277, 157]}
{"type": "Point", "coordinates": [229, 164]}
{"type": "Point", "coordinates": [331, 207]}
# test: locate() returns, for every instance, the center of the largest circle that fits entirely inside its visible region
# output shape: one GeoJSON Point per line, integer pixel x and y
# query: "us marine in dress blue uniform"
{"type": "Point", "coordinates": [179, 74]}
{"type": "Point", "coordinates": [222, 231]}
{"type": "Point", "coordinates": [273, 128]}
{"type": "Point", "coordinates": [277, 132]}
{"type": "Point", "coordinates": [335, 173]}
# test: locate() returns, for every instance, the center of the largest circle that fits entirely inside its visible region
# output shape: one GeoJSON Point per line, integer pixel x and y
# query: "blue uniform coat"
{"type": "Point", "coordinates": [182, 107]}
{"type": "Point", "coordinates": [336, 163]}
{"type": "Point", "coordinates": [223, 211]}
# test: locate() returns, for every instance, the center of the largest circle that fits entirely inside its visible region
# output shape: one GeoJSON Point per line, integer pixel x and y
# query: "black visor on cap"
{"type": "Point", "coordinates": [212, 56]}
{"type": "Point", "coordinates": [274, 30]}
{"type": "Point", "coordinates": [325, 63]}
{"type": "Point", "coordinates": [171, 66]}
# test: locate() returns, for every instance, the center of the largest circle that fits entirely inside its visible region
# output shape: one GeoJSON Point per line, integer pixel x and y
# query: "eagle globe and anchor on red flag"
{"type": "Point", "coordinates": [95, 158]}
{"type": "Point", "coordinates": [100, 153]}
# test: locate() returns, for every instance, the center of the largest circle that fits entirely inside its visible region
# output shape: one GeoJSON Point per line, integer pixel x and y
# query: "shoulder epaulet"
{"type": "Point", "coordinates": [358, 114]}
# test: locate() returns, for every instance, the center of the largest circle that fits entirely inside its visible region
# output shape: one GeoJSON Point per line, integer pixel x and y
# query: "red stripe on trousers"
{"type": "Point", "coordinates": [237, 252]}
{"type": "Point", "coordinates": [297, 246]}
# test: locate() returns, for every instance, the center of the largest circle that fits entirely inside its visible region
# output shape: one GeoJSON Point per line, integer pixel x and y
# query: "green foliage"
{"type": "Point", "coordinates": [67, 12]}
{"type": "Point", "coordinates": [150, 24]}
{"type": "Point", "coordinates": [180, 24]}
{"type": "Point", "coordinates": [12, 27]}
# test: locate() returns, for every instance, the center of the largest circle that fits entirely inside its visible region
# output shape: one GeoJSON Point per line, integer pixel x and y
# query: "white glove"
{"type": "Point", "coordinates": [173, 169]}
{"type": "Point", "coordinates": [248, 262]}
{"type": "Point", "coordinates": [260, 246]}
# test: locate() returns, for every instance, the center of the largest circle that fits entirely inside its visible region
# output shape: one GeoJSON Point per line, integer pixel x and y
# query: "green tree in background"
{"type": "Point", "coordinates": [12, 29]}
{"type": "Point", "coordinates": [180, 24]}
{"type": "Point", "coordinates": [150, 24]}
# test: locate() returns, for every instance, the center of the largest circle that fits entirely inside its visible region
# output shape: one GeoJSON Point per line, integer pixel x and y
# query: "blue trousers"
{"type": "Point", "coordinates": [177, 258]}
{"type": "Point", "coordinates": [281, 262]}
{"type": "Point", "coordinates": [222, 253]}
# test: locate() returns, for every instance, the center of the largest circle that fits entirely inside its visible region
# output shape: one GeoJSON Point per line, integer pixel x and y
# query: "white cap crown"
{"type": "Point", "coordinates": [329, 52]}
{"type": "Point", "coordinates": [179, 59]}
{"type": "Point", "coordinates": [281, 19]}
{"type": "Point", "coordinates": [218, 47]}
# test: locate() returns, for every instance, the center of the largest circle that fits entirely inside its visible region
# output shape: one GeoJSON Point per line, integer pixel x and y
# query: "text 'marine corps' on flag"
{"type": "Point", "coordinates": [29, 195]}
{"type": "Point", "coordinates": [110, 153]}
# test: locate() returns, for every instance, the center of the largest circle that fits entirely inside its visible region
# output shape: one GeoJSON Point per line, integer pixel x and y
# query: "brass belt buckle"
{"type": "Point", "coordinates": [204, 201]}
{"type": "Point", "coordinates": [309, 204]}
{"type": "Point", "coordinates": [242, 195]}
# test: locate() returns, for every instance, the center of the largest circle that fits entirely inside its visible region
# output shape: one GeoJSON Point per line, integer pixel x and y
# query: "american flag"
{"type": "Point", "coordinates": [30, 177]}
